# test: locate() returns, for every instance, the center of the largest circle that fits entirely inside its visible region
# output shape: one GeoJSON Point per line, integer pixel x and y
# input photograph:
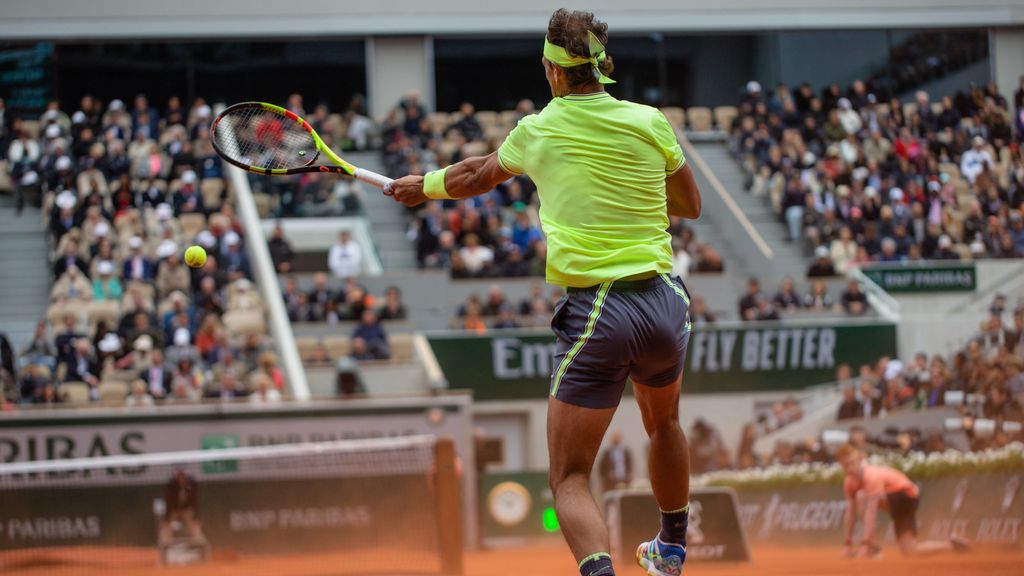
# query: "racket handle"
{"type": "Point", "coordinates": [372, 178]}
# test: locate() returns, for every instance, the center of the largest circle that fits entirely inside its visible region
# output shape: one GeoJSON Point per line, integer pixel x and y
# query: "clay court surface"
{"type": "Point", "coordinates": [547, 560]}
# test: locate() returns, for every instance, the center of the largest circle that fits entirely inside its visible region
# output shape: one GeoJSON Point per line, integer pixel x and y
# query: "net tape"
{"type": "Point", "coordinates": [408, 455]}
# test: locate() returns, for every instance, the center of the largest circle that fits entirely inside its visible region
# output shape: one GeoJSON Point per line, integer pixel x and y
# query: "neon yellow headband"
{"type": "Point", "coordinates": [561, 56]}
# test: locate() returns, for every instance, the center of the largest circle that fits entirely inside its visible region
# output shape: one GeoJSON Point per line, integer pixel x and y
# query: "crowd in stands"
{"type": "Point", "coordinates": [124, 189]}
{"type": "Point", "coordinates": [858, 180]}
{"type": "Point", "coordinates": [497, 234]}
{"type": "Point", "coordinates": [756, 305]}
{"type": "Point", "coordinates": [983, 381]}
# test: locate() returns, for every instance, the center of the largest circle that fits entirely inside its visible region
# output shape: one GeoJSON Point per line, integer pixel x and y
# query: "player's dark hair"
{"type": "Point", "coordinates": [568, 29]}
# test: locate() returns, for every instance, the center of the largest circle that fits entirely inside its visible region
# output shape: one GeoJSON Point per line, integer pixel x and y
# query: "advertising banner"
{"type": "Point", "coordinates": [714, 532]}
{"type": "Point", "coordinates": [983, 508]}
{"type": "Point", "coordinates": [934, 276]}
{"type": "Point", "coordinates": [734, 357]}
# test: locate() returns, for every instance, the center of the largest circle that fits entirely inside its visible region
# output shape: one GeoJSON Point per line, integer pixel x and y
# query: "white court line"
{"type": "Point", "coordinates": [691, 154]}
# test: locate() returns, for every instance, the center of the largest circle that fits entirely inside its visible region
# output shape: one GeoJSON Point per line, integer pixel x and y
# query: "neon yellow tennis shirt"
{"type": "Point", "coordinates": [600, 166]}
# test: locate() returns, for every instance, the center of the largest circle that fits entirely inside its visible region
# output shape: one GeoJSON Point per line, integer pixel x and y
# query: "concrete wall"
{"type": "Point", "coordinates": [1007, 48]}
{"type": "Point", "coordinates": [251, 18]}
{"type": "Point", "coordinates": [396, 66]}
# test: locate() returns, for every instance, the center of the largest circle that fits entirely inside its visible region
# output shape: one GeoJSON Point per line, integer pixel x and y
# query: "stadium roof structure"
{"type": "Point", "coordinates": [112, 19]}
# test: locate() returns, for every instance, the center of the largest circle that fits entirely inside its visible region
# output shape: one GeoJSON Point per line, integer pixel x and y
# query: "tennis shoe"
{"type": "Point", "coordinates": [661, 558]}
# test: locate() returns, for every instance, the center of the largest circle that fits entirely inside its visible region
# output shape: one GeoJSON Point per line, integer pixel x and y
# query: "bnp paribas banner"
{"type": "Point", "coordinates": [729, 357]}
{"type": "Point", "coordinates": [931, 276]}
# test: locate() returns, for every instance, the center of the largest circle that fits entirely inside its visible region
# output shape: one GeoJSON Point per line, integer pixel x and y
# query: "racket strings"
{"type": "Point", "coordinates": [265, 139]}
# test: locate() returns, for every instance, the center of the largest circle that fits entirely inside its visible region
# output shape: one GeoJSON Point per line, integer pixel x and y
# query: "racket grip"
{"type": "Point", "coordinates": [372, 178]}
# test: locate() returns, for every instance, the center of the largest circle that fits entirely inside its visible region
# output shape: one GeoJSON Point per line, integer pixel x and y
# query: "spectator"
{"type": "Point", "coordinates": [188, 200]}
{"type": "Point", "coordinates": [786, 298]}
{"type": "Point", "coordinates": [681, 260]}
{"type": "Point", "coordinates": [822, 265]}
{"type": "Point", "coordinates": [467, 125]}
{"type": "Point", "coordinates": [39, 348]}
{"type": "Point", "coordinates": [818, 299]}
{"type": "Point", "coordinates": [72, 286]}
{"type": "Point", "coordinates": [138, 396]}
{"type": "Point", "coordinates": [495, 301]}
{"type": "Point", "coordinates": [749, 302]}
{"type": "Point", "coordinates": [81, 366]}
{"type": "Point", "coordinates": [281, 251]}
{"type": "Point", "coordinates": [850, 407]}
{"type": "Point", "coordinates": [705, 445]}
{"type": "Point", "coordinates": [372, 336]}
{"type": "Point", "coordinates": [156, 377]}
{"type": "Point", "coordinates": [345, 258]}
{"type": "Point", "coordinates": [843, 251]}
{"type": "Point", "coordinates": [172, 276]}
{"type": "Point", "coordinates": [854, 302]}
{"type": "Point", "coordinates": [106, 286]}
{"type": "Point", "coordinates": [69, 259]}
{"type": "Point", "coordinates": [699, 314]}
{"type": "Point", "coordinates": [264, 392]}
{"type": "Point", "coordinates": [506, 319]}
{"type": "Point", "coordinates": [975, 160]}
{"type": "Point", "coordinates": [321, 298]}
{"type": "Point", "coordinates": [473, 321]}
{"type": "Point", "coordinates": [228, 389]}
{"type": "Point", "coordinates": [233, 260]}
{"type": "Point", "coordinates": [393, 308]}
{"type": "Point", "coordinates": [137, 266]}
{"type": "Point", "coordinates": [945, 249]}
{"type": "Point", "coordinates": [269, 370]}
{"type": "Point", "coordinates": [616, 464]}
{"type": "Point", "coordinates": [476, 258]}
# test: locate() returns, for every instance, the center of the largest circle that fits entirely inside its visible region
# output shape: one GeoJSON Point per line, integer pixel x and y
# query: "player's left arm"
{"type": "Point", "coordinates": [682, 194]}
{"type": "Point", "coordinates": [471, 177]}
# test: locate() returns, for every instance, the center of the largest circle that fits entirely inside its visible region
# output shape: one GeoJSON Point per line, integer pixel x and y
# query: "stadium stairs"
{"type": "Point", "coordinates": [24, 277]}
{"type": "Point", "coordinates": [388, 220]}
{"type": "Point", "coordinates": [719, 227]}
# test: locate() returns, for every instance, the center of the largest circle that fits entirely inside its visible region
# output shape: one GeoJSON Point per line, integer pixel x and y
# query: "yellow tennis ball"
{"type": "Point", "coordinates": [195, 256]}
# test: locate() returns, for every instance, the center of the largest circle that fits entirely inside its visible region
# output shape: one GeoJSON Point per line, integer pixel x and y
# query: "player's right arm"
{"type": "Point", "coordinates": [471, 177]}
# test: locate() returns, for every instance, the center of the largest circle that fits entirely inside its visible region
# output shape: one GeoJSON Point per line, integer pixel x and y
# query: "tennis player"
{"type": "Point", "coordinates": [609, 173]}
{"type": "Point", "coordinates": [869, 488]}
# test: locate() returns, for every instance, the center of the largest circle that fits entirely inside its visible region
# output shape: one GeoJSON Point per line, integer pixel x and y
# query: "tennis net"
{"type": "Point", "coordinates": [378, 506]}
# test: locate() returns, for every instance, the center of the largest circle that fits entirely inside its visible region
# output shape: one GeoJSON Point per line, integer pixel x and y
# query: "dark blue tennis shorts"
{"type": "Point", "coordinates": [618, 330]}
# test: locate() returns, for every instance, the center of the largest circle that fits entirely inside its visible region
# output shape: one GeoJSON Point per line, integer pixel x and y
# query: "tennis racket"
{"type": "Point", "coordinates": [266, 139]}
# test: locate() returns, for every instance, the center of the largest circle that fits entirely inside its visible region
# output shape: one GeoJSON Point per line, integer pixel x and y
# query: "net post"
{"type": "Point", "coordinates": [449, 508]}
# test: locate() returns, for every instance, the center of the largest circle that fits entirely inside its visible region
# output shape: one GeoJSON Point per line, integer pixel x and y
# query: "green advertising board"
{"type": "Point", "coordinates": [728, 357]}
{"type": "Point", "coordinates": [933, 276]}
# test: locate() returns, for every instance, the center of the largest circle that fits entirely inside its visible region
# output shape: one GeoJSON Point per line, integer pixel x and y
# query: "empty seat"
{"type": "Point", "coordinates": [401, 348]}
{"type": "Point", "coordinates": [212, 189]}
{"type": "Point", "coordinates": [75, 393]}
{"type": "Point", "coordinates": [107, 310]}
{"type": "Point", "coordinates": [191, 224]}
{"type": "Point", "coordinates": [724, 115]}
{"type": "Point", "coordinates": [113, 391]}
{"type": "Point", "coordinates": [241, 322]}
{"type": "Point", "coordinates": [337, 346]}
{"type": "Point", "coordinates": [306, 345]}
{"type": "Point", "coordinates": [676, 116]}
{"type": "Point", "coordinates": [700, 118]}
